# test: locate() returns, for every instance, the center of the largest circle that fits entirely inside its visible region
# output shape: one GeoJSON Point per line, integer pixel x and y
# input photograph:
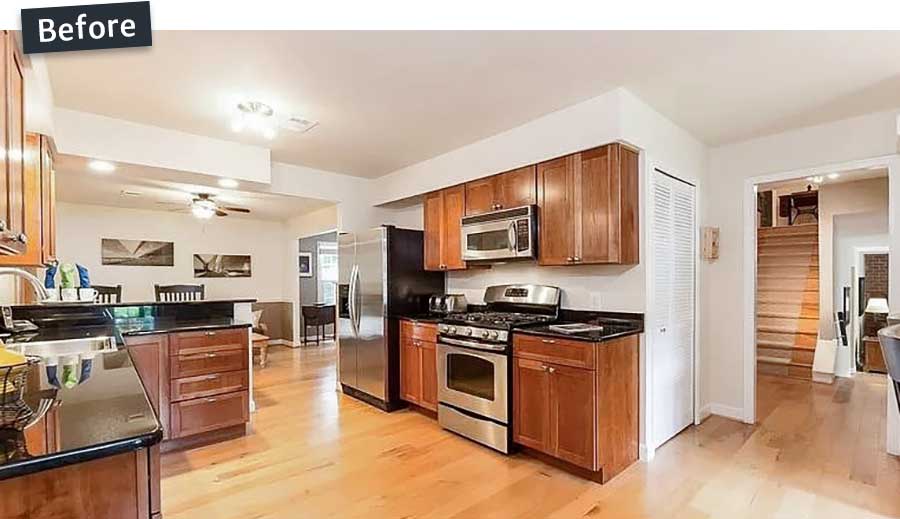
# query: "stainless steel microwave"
{"type": "Point", "coordinates": [500, 235]}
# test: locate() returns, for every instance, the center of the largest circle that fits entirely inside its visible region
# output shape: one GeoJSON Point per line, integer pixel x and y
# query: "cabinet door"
{"type": "Point", "coordinates": [428, 355]}
{"type": "Point", "coordinates": [608, 192]}
{"type": "Point", "coordinates": [572, 415]}
{"type": "Point", "coordinates": [15, 154]}
{"type": "Point", "coordinates": [410, 371]}
{"type": "Point", "coordinates": [31, 198]}
{"type": "Point", "coordinates": [531, 404]}
{"type": "Point", "coordinates": [432, 239]}
{"type": "Point", "coordinates": [451, 246]}
{"type": "Point", "coordinates": [149, 354]}
{"type": "Point", "coordinates": [480, 196]}
{"type": "Point", "coordinates": [515, 188]}
{"type": "Point", "coordinates": [48, 202]}
{"type": "Point", "coordinates": [4, 133]}
{"type": "Point", "coordinates": [555, 190]}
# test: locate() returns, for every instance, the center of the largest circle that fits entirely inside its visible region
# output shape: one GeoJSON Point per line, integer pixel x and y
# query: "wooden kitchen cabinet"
{"type": "Point", "coordinates": [39, 188]}
{"type": "Point", "coordinates": [418, 364]}
{"type": "Point", "coordinates": [197, 381]}
{"type": "Point", "coordinates": [503, 191]}
{"type": "Point", "coordinates": [443, 234]}
{"type": "Point", "coordinates": [591, 201]}
{"type": "Point", "coordinates": [13, 233]}
{"type": "Point", "coordinates": [578, 407]}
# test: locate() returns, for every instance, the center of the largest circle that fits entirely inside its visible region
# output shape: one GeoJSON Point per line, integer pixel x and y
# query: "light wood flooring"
{"type": "Point", "coordinates": [816, 453]}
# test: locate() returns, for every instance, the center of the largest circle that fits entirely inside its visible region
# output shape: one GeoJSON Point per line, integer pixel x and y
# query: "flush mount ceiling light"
{"type": "Point", "coordinates": [257, 117]}
{"type": "Point", "coordinates": [228, 183]}
{"type": "Point", "coordinates": [834, 176]}
{"type": "Point", "coordinates": [818, 179]}
{"type": "Point", "coordinates": [101, 166]}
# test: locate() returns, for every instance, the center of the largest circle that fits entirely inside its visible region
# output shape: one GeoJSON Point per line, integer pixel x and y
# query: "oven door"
{"type": "Point", "coordinates": [473, 380]}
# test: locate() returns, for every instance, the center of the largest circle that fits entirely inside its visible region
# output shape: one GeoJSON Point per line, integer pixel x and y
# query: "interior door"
{"type": "Point", "coordinates": [370, 304]}
{"type": "Point", "coordinates": [673, 247]}
{"type": "Point", "coordinates": [347, 336]}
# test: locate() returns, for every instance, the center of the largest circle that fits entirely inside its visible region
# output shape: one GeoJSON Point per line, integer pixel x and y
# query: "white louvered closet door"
{"type": "Point", "coordinates": [672, 239]}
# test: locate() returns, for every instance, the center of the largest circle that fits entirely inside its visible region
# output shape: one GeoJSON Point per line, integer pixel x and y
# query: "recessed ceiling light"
{"type": "Point", "coordinates": [228, 183]}
{"type": "Point", "coordinates": [834, 176]}
{"type": "Point", "coordinates": [101, 166]}
{"type": "Point", "coordinates": [255, 116]}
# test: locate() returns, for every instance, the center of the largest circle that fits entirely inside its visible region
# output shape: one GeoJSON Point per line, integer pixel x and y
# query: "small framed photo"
{"type": "Point", "coordinates": [305, 265]}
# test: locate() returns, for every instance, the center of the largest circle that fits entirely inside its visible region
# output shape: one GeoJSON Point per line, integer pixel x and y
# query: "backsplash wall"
{"type": "Point", "coordinates": [587, 287]}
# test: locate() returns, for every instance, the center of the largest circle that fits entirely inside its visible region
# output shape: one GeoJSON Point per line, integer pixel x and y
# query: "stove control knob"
{"type": "Point", "coordinates": [451, 330]}
{"type": "Point", "coordinates": [468, 331]}
{"type": "Point", "coordinates": [494, 336]}
{"type": "Point", "coordinates": [485, 334]}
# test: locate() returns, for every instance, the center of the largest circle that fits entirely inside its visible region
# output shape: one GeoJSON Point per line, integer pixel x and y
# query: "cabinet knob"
{"type": "Point", "coordinates": [576, 259]}
{"type": "Point", "coordinates": [210, 400]}
{"type": "Point", "coordinates": [210, 334]}
{"type": "Point", "coordinates": [2, 225]}
{"type": "Point", "coordinates": [570, 259]}
{"type": "Point", "coordinates": [210, 355]}
{"type": "Point", "coordinates": [543, 368]}
{"type": "Point", "coordinates": [548, 341]}
{"type": "Point", "coordinates": [22, 238]}
{"type": "Point", "coordinates": [551, 369]}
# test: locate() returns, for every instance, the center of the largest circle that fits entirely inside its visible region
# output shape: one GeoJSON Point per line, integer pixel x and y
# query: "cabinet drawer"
{"type": "Point", "coordinates": [204, 341]}
{"type": "Point", "coordinates": [208, 385]}
{"type": "Point", "coordinates": [567, 352]}
{"type": "Point", "coordinates": [195, 364]}
{"type": "Point", "coordinates": [210, 413]}
{"type": "Point", "coordinates": [417, 330]}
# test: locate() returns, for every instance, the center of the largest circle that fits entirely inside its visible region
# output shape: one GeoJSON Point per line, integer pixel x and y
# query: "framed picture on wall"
{"type": "Point", "coordinates": [305, 265]}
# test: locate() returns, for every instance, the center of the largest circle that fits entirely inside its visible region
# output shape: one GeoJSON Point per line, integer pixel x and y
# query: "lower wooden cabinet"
{"type": "Point", "coordinates": [418, 364]}
{"type": "Point", "coordinates": [198, 381]}
{"type": "Point", "coordinates": [577, 401]}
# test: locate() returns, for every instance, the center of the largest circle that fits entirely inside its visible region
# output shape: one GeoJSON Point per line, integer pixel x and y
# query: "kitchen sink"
{"type": "Point", "coordinates": [48, 349]}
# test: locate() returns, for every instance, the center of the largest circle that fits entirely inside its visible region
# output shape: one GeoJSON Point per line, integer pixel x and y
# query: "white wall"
{"type": "Point", "coordinates": [723, 311]}
{"type": "Point", "coordinates": [80, 228]}
{"type": "Point", "coordinates": [868, 198]}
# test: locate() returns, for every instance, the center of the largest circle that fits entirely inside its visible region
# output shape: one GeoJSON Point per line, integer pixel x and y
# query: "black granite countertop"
{"type": "Point", "coordinates": [424, 318]}
{"type": "Point", "coordinates": [81, 304]}
{"type": "Point", "coordinates": [614, 325]}
{"type": "Point", "coordinates": [106, 413]}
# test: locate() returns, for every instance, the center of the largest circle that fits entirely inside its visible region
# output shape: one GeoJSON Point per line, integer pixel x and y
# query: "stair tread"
{"type": "Point", "coordinates": [783, 362]}
{"type": "Point", "coordinates": [773, 345]}
{"type": "Point", "coordinates": [777, 315]}
{"type": "Point", "coordinates": [776, 329]}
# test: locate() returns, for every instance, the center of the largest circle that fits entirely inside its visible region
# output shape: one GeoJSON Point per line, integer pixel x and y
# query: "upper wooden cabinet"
{"type": "Point", "coordinates": [511, 189]}
{"type": "Point", "coordinates": [13, 233]}
{"type": "Point", "coordinates": [443, 237]}
{"type": "Point", "coordinates": [590, 202]}
{"type": "Point", "coordinates": [39, 204]}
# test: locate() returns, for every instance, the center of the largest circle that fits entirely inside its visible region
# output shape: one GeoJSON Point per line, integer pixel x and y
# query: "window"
{"type": "Point", "coordinates": [327, 271]}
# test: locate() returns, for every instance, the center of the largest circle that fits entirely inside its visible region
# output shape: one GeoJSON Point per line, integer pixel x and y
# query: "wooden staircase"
{"type": "Point", "coordinates": [787, 299]}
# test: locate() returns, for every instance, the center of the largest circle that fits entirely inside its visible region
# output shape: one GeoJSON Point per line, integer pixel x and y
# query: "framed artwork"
{"type": "Point", "coordinates": [222, 266]}
{"type": "Point", "coordinates": [305, 265]}
{"type": "Point", "coordinates": [137, 253]}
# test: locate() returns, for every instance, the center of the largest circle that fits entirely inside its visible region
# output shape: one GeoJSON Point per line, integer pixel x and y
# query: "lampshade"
{"type": "Point", "coordinates": [877, 305]}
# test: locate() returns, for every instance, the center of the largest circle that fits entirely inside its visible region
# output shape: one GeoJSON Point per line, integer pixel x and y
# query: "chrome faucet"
{"type": "Point", "coordinates": [36, 284]}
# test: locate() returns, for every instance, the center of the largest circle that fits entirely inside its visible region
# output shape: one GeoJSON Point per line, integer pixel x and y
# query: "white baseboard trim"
{"type": "Point", "coordinates": [822, 378]}
{"type": "Point", "coordinates": [703, 413]}
{"type": "Point", "coordinates": [645, 454]}
{"type": "Point", "coordinates": [726, 411]}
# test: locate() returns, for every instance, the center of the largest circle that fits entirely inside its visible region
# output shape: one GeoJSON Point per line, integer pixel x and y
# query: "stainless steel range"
{"type": "Point", "coordinates": [474, 366]}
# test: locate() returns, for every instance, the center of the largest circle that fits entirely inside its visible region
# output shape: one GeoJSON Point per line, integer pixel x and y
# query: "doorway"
{"type": "Point", "coordinates": [317, 267]}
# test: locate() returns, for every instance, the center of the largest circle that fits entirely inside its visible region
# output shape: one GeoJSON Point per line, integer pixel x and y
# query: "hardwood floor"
{"type": "Point", "coordinates": [816, 453]}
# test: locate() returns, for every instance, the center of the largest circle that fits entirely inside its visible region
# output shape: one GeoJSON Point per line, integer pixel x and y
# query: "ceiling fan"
{"type": "Point", "coordinates": [204, 206]}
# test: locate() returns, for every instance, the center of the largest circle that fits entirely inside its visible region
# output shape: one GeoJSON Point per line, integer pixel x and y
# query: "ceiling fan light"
{"type": "Point", "coordinates": [203, 209]}
{"type": "Point", "coordinates": [269, 133]}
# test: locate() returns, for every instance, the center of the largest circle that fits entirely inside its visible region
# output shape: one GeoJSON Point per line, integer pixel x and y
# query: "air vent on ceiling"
{"type": "Point", "coordinates": [299, 124]}
{"type": "Point", "coordinates": [129, 194]}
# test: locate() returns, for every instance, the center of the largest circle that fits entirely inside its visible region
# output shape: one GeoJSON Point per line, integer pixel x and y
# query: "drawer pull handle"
{"type": "Point", "coordinates": [212, 377]}
{"type": "Point", "coordinates": [548, 341]}
{"type": "Point", "coordinates": [210, 334]}
{"type": "Point", "coordinates": [210, 355]}
{"type": "Point", "coordinates": [211, 400]}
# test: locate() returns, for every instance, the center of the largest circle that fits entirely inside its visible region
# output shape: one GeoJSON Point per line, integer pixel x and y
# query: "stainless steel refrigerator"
{"type": "Point", "coordinates": [381, 277]}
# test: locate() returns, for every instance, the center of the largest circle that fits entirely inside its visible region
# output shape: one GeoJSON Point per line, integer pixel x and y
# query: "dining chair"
{"type": "Point", "coordinates": [108, 294]}
{"type": "Point", "coordinates": [317, 316]}
{"type": "Point", "coordinates": [175, 293]}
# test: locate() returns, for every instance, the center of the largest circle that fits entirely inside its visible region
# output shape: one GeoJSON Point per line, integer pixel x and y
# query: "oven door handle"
{"type": "Point", "coordinates": [472, 344]}
{"type": "Point", "coordinates": [511, 232]}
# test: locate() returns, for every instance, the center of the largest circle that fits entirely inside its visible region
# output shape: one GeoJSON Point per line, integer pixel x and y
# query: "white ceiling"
{"type": "Point", "coordinates": [166, 190]}
{"type": "Point", "coordinates": [385, 100]}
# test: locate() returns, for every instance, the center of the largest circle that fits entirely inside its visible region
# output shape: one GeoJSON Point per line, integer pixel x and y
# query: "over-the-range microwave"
{"type": "Point", "coordinates": [500, 235]}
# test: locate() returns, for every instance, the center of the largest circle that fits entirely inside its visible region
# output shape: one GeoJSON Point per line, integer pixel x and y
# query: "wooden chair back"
{"type": "Point", "coordinates": [175, 293]}
{"type": "Point", "coordinates": [108, 294]}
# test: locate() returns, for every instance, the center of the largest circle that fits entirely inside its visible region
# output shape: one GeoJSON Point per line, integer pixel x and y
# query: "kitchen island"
{"type": "Point", "coordinates": [172, 375]}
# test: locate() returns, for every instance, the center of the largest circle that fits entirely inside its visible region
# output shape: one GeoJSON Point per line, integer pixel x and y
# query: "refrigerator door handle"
{"type": "Point", "coordinates": [351, 300]}
{"type": "Point", "coordinates": [357, 296]}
